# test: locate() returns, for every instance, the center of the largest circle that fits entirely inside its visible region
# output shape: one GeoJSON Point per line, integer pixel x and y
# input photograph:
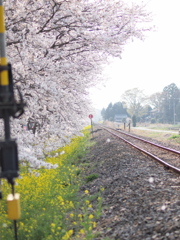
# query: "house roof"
{"type": "Point", "coordinates": [120, 115]}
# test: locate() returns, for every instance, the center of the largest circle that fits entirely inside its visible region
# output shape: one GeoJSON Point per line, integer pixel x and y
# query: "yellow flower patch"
{"type": "Point", "coordinates": [48, 198]}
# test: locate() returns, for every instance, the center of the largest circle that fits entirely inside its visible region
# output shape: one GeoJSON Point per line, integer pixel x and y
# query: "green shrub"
{"type": "Point", "coordinates": [153, 120]}
{"type": "Point", "coordinates": [174, 136]}
{"type": "Point", "coordinates": [91, 177]}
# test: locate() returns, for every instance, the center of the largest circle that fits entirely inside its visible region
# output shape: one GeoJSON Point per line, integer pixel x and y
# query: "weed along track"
{"type": "Point", "coordinates": [52, 205]}
{"type": "Point", "coordinates": [141, 200]}
{"type": "Point", "coordinates": [170, 158]}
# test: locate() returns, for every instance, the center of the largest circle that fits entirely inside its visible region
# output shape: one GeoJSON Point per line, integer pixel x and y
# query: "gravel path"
{"type": "Point", "coordinates": [156, 130]}
{"type": "Point", "coordinates": [141, 199]}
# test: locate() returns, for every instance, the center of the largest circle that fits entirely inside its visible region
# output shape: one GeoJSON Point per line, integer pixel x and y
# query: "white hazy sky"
{"type": "Point", "coordinates": [148, 65]}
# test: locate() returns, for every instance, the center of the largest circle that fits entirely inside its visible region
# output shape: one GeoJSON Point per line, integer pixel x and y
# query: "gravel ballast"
{"type": "Point", "coordinates": [141, 199]}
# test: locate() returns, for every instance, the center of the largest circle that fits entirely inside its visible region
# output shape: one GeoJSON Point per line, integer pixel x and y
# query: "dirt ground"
{"type": "Point", "coordinates": [141, 199]}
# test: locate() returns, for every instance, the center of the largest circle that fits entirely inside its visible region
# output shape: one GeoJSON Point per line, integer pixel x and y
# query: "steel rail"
{"type": "Point", "coordinates": [146, 141]}
{"type": "Point", "coordinates": [144, 151]}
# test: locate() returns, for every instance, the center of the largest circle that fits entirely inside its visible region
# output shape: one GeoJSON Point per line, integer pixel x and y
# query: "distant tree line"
{"type": "Point", "coordinates": [166, 105]}
{"type": "Point", "coordinates": [161, 107]}
{"type": "Point", "coordinates": [112, 110]}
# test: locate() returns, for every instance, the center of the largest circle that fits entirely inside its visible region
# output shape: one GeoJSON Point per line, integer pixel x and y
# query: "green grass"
{"type": "Point", "coordinates": [52, 207]}
{"type": "Point", "coordinates": [91, 177]}
{"type": "Point", "coordinates": [175, 137]}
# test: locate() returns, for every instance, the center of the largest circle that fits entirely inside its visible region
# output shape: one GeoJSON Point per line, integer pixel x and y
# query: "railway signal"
{"type": "Point", "coordinates": [9, 107]}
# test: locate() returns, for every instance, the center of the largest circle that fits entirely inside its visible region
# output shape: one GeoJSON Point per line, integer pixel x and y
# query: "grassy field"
{"type": "Point", "coordinates": [168, 137]}
{"type": "Point", "coordinates": [171, 138]}
{"type": "Point", "coordinates": [159, 126]}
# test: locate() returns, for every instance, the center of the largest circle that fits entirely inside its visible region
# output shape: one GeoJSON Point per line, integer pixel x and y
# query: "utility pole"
{"type": "Point", "coordinates": [9, 107]}
{"type": "Point", "coordinates": [174, 110]}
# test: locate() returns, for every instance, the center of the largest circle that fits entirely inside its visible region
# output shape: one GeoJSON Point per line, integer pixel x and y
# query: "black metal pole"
{"type": "Point", "coordinates": [6, 118]}
{"type": "Point", "coordinates": [129, 127]}
{"type": "Point", "coordinates": [15, 221]}
{"type": "Point", "coordinates": [91, 126]}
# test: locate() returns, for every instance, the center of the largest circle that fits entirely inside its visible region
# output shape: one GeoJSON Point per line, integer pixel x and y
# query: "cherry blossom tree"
{"type": "Point", "coordinates": [57, 49]}
{"type": "Point", "coordinates": [135, 100]}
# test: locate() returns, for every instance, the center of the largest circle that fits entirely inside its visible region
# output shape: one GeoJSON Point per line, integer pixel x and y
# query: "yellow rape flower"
{"type": "Point", "coordinates": [91, 216]}
{"type": "Point", "coordinates": [80, 216]}
{"type": "Point", "coordinates": [53, 225]}
{"type": "Point", "coordinates": [60, 198]}
{"type": "Point", "coordinates": [21, 224]}
{"type": "Point", "coordinates": [87, 202]}
{"type": "Point", "coordinates": [70, 232]}
{"type": "Point", "coordinates": [86, 192]}
{"type": "Point", "coordinates": [94, 224]}
{"type": "Point", "coordinates": [81, 231]}
{"type": "Point", "coordinates": [68, 235]}
{"type": "Point", "coordinates": [71, 204]}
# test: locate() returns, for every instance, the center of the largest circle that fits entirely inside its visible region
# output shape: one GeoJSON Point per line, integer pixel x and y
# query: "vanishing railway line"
{"type": "Point", "coordinates": [170, 158]}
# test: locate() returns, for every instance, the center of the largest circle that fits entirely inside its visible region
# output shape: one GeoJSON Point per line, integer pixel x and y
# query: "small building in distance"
{"type": "Point", "coordinates": [121, 118]}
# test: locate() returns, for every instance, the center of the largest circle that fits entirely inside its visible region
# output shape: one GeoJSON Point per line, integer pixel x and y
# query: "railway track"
{"type": "Point", "coordinates": [170, 158]}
